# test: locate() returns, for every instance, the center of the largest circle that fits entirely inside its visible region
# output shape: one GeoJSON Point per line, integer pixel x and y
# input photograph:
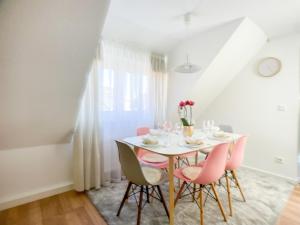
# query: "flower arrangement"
{"type": "Point", "coordinates": [185, 112]}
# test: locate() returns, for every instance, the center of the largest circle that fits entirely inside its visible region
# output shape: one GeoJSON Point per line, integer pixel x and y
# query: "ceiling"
{"type": "Point", "coordinates": [157, 25]}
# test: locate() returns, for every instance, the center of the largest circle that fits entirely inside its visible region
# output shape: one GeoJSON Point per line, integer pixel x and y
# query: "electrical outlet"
{"type": "Point", "coordinates": [279, 160]}
{"type": "Point", "coordinates": [281, 108]}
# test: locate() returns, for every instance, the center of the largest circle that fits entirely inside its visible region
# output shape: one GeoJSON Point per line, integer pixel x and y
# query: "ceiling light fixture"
{"type": "Point", "coordinates": [187, 67]}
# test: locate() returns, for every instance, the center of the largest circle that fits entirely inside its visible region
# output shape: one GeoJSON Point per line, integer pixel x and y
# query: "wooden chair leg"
{"type": "Point", "coordinates": [163, 200]}
{"type": "Point", "coordinates": [187, 161]}
{"type": "Point", "coordinates": [228, 193]}
{"type": "Point", "coordinates": [124, 198]}
{"type": "Point", "coordinates": [140, 205]}
{"type": "Point", "coordinates": [218, 201]}
{"type": "Point", "coordinates": [147, 191]}
{"type": "Point", "coordinates": [201, 206]}
{"type": "Point", "coordinates": [179, 192]}
{"type": "Point", "coordinates": [238, 184]}
{"type": "Point", "coordinates": [194, 185]}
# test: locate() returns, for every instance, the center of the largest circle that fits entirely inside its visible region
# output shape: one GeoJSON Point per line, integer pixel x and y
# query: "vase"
{"type": "Point", "coordinates": [188, 131]}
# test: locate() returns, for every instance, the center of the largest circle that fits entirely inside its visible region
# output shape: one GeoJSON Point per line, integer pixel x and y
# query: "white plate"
{"type": "Point", "coordinates": [150, 145]}
{"type": "Point", "coordinates": [154, 158]}
{"type": "Point", "coordinates": [193, 145]}
{"type": "Point", "coordinates": [225, 135]}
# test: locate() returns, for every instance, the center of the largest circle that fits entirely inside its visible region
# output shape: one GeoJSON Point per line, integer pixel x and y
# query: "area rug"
{"type": "Point", "coordinates": [266, 196]}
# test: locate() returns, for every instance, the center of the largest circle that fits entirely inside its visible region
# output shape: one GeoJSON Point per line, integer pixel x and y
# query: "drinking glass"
{"type": "Point", "coordinates": [178, 128]}
{"type": "Point", "coordinates": [167, 126]}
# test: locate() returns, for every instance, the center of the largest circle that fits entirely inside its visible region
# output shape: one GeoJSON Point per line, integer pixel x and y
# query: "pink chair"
{"type": "Point", "coordinates": [234, 162]}
{"type": "Point", "coordinates": [211, 171]}
{"type": "Point", "coordinates": [143, 152]}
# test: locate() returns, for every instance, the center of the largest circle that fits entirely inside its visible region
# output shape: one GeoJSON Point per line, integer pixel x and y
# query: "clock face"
{"type": "Point", "coordinates": [269, 67]}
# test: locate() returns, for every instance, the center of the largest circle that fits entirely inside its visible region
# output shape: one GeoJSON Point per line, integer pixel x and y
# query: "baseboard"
{"type": "Point", "coordinates": [293, 180]}
{"type": "Point", "coordinates": [23, 198]}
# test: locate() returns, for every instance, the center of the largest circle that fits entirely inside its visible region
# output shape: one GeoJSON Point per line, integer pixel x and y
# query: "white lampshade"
{"type": "Point", "coordinates": [187, 67]}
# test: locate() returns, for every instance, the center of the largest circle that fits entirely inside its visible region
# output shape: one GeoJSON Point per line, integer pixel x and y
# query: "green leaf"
{"type": "Point", "coordinates": [184, 122]}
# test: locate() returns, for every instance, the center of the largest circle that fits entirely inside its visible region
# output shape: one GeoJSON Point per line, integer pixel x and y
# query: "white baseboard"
{"type": "Point", "coordinates": [293, 180]}
{"type": "Point", "coordinates": [23, 198]}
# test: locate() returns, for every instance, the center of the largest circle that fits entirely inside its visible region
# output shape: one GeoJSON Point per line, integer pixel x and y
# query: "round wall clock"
{"type": "Point", "coordinates": [269, 67]}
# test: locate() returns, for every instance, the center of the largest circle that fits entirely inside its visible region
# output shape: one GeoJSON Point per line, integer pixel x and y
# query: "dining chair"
{"type": "Point", "coordinates": [145, 156]}
{"type": "Point", "coordinates": [233, 163]}
{"type": "Point", "coordinates": [140, 180]}
{"type": "Point", "coordinates": [205, 176]}
{"type": "Point", "coordinates": [226, 128]}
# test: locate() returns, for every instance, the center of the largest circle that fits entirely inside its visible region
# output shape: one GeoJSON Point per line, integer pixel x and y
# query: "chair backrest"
{"type": "Point", "coordinates": [130, 164]}
{"type": "Point", "coordinates": [226, 128]}
{"type": "Point", "coordinates": [237, 154]}
{"type": "Point", "coordinates": [214, 166]}
{"type": "Point", "coordinates": [142, 131]}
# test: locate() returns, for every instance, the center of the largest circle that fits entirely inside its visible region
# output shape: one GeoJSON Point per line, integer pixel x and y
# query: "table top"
{"type": "Point", "coordinates": [174, 144]}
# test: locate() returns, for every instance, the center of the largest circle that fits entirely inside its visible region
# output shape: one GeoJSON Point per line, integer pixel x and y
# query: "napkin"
{"type": "Point", "coordinates": [155, 132]}
{"type": "Point", "coordinates": [150, 141]}
{"type": "Point", "coordinates": [193, 141]}
{"type": "Point", "coordinates": [221, 134]}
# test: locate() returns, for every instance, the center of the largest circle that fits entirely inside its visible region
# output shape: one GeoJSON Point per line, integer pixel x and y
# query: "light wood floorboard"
{"type": "Point", "coordinates": [69, 208]}
{"type": "Point", "coordinates": [291, 213]}
{"type": "Point", "coordinates": [72, 208]}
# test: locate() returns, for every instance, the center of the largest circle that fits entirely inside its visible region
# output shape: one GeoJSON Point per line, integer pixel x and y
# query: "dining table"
{"type": "Point", "coordinates": [173, 144]}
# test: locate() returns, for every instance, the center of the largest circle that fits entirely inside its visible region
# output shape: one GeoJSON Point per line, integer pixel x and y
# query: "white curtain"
{"type": "Point", "coordinates": [159, 72]}
{"type": "Point", "coordinates": [126, 89]}
{"type": "Point", "coordinates": [86, 148]}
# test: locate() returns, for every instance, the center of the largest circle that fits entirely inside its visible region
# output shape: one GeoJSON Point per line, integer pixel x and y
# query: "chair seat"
{"type": "Point", "coordinates": [152, 175]}
{"type": "Point", "coordinates": [154, 158]}
{"type": "Point", "coordinates": [189, 173]}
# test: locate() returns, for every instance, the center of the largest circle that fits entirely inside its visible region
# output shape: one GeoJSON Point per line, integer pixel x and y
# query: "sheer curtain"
{"type": "Point", "coordinates": [126, 90]}
{"type": "Point", "coordinates": [159, 72]}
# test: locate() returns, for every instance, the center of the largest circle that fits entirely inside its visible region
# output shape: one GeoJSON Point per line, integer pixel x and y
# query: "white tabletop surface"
{"type": "Point", "coordinates": [174, 144]}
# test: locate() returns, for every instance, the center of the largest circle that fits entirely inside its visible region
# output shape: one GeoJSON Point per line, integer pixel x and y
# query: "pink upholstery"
{"type": "Point", "coordinates": [236, 158]}
{"type": "Point", "coordinates": [141, 152]}
{"type": "Point", "coordinates": [212, 169]}
{"type": "Point", "coordinates": [142, 131]}
{"type": "Point", "coordinates": [237, 154]}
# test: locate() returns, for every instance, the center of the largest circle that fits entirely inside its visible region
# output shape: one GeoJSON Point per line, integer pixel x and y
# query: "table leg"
{"type": "Point", "coordinates": [171, 189]}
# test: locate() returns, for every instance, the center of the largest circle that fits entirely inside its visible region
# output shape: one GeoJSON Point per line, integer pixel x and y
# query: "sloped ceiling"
{"type": "Point", "coordinates": [159, 23]}
{"type": "Point", "coordinates": [222, 53]}
{"type": "Point", "coordinates": [46, 48]}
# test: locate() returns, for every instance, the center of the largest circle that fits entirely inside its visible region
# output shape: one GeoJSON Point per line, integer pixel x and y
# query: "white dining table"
{"type": "Point", "coordinates": [172, 145]}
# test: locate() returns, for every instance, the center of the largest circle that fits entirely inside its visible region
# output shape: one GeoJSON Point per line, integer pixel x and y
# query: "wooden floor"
{"type": "Point", "coordinates": [291, 212]}
{"type": "Point", "coordinates": [72, 208]}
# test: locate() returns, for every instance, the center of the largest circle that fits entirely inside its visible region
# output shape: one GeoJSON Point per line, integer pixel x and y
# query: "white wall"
{"type": "Point", "coordinates": [46, 48]}
{"type": "Point", "coordinates": [202, 49]}
{"type": "Point", "coordinates": [250, 103]}
{"type": "Point", "coordinates": [222, 52]}
{"type": "Point", "coordinates": [31, 173]}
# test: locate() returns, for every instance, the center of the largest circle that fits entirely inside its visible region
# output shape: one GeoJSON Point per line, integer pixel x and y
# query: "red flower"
{"type": "Point", "coordinates": [187, 102]}
{"type": "Point", "coordinates": [182, 104]}
{"type": "Point", "coordinates": [192, 103]}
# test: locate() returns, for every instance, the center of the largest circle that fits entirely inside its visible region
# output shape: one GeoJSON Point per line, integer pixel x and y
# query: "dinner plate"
{"type": "Point", "coordinates": [225, 135]}
{"type": "Point", "coordinates": [150, 145]}
{"type": "Point", "coordinates": [192, 145]}
{"type": "Point", "coordinates": [154, 158]}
